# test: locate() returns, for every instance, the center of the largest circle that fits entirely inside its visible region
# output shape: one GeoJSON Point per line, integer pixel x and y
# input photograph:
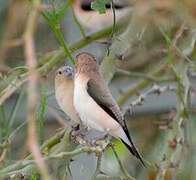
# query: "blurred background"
{"type": "Point", "coordinates": [147, 54]}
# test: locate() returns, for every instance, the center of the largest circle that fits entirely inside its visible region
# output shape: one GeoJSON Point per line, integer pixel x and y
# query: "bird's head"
{"type": "Point", "coordinates": [85, 62]}
{"type": "Point", "coordinates": [64, 74]}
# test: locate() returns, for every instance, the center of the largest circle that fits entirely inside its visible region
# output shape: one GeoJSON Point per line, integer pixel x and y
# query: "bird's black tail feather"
{"type": "Point", "coordinates": [134, 152]}
{"type": "Point", "coordinates": [132, 148]}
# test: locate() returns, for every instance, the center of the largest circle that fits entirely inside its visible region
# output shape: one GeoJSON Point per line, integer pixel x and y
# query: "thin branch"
{"type": "Point", "coordinates": [124, 171]}
{"type": "Point", "coordinates": [157, 71]}
{"type": "Point", "coordinates": [177, 136]}
{"type": "Point", "coordinates": [156, 89]}
{"type": "Point", "coordinates": [24, 163]}
{"type": "Point", "coordinates": [98, 167]}
{"type": "Point", "coordinates": [3, 155]}
{"type": "Point", "coordinates": [114, 19]}
{"type": "Point", "coordinates": [113, 27]}
{"type": "Point", "coordinates": [32, 91]}
{"type": "Point", "coordinates": [57, 153]}
{"type": "Point", "coordinates": [82, 31]}
{"type": "Point", "coordinates": [141, 75]}
{"type": "Point", "coordinates": [51, 142]}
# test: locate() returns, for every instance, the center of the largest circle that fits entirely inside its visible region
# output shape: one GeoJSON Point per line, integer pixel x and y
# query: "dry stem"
{"type": "Point", "coordinates": [31, 63]}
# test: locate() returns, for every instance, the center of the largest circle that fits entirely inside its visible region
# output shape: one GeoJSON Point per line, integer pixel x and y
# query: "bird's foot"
{"type": "Point", "coordinates": [79, 130]}
{"type": "Point", "coordinates": [99, 139]}
{"type": "Point", "coordinates": [76, 127]}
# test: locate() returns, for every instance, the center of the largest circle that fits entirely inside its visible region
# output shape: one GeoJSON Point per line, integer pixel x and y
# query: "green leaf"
{"type": "Point", "coordinates": [53, 18]}
{"type": "Point", "coordinates": [100, 5]}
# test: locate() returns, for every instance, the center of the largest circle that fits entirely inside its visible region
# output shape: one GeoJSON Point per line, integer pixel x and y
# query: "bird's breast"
{"type": "Point", "coordinates": [64, 97]}
{"type": "Point", "coordinates": [80, 93]}
{"type": "Point", "coordinates": [89, 111]}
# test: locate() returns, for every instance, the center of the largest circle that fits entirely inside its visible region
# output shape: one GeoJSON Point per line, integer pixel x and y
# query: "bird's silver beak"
{"type": "Point", "coordinates": [68, 71]}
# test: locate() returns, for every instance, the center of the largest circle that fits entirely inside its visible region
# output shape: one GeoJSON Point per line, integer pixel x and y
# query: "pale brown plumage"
{"type": "Point", "coordinates": [100, 102]}
{"type": "Point", "coordinates": [94, 21]}
{"type": "Point", "coordinates": [64, 89]}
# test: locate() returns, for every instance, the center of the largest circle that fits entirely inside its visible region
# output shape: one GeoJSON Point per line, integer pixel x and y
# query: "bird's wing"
{"type": "Point", "coordinates": [99, 91]}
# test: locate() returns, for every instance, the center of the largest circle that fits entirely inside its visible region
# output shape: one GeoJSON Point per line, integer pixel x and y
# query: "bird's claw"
{"type": "Point", "coordinates": [97, 140]}
{"type": "Point", "coordinates": [76, 127]}
{"type": "Point", "coordinates": [79, 130]}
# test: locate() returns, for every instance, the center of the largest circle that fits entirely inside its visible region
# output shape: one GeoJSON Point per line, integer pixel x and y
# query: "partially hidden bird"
{"type": "Point", "coordinates": [95, 105]}
{"type": "Point", "coordinates": [64, 89]}
{"type": "Point", "coordinates": [94, 21]}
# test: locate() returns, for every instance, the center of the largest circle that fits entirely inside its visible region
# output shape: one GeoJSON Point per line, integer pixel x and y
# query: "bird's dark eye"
{"type": "Point", "coordinates": [60, 72]}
